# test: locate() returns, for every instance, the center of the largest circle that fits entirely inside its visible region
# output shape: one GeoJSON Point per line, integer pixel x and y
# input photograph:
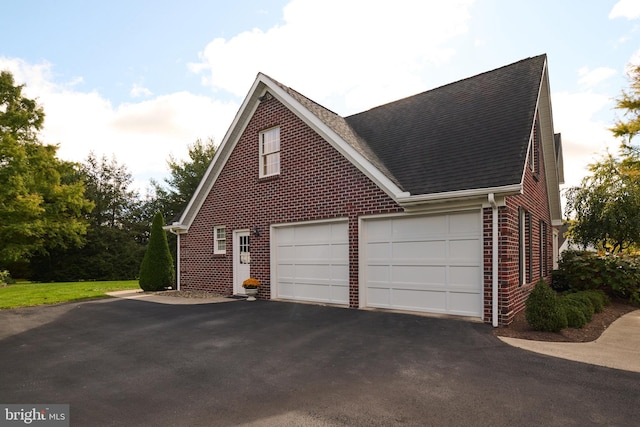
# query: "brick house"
{"type": "Point", "coordinates": [444, 202]}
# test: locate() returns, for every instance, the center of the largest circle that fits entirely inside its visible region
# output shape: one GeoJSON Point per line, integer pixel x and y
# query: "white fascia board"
{"type": "Point", "coordinates": [548, 147]}
{"type": "Point", "coordinates": [346, 150]}
{"type": "Point", "coordinates": [239, 123]}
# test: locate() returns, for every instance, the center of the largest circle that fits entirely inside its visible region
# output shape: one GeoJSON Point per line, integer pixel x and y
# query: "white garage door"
{"type": "Point", "coordinates": [312, 262]}
{"type": "Point", "coordinates": [425, 263]}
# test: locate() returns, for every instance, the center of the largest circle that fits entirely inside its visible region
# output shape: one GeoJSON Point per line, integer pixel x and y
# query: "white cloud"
{"type": "Point", "coordinates": [629, 9]}
{"type": "Point", "coordinates": [138, 91]}
{"type": "Point", "coordinates": [584, 138]}
{"type": "Point", "coordinates": [634, 61]}
{"type": "Point", "coordinates": [140, 135]}
{"type": "Point", "coordinates": [591, 78]}
{"type": "Point", "coordinates": [362, 52]}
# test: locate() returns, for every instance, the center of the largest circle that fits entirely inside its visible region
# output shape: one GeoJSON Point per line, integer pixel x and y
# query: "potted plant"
{"type": "Point", "coordinates": [251, 286]}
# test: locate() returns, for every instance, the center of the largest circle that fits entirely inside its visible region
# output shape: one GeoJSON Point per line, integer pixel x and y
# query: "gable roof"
{"type": "Point", "coordinates": [470, 134]}
{"type": "Point", "coordinates": [460, 141]}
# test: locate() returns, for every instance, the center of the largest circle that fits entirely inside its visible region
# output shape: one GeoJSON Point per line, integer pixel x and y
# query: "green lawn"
{"type": "Point", "coordinates": [30, 294]}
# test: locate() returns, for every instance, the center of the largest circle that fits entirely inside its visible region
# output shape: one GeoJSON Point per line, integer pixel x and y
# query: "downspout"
{"type": "Point", "coordinates": [494, 260]}
{"type": "Point", "coordinates": [172, 231]}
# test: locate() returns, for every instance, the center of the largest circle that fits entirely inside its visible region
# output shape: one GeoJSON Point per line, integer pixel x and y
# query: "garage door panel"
{"type": "Point", "coordinates": [379, 251]}
{"type": "Point", "coordinates": [340, 273]}
{"type": "Point", "coordinates": [466, 276]}
{"type": "Point", "coordinates": [466, 249]}
{"type": "Point", "coordinates": [379, 297]}
{"type": "Point", "coordinates": [435, 301]}
{"type": "Point", "coordinates": [464, 223]}
{"type": "Point", "coordinates": [465, 304]}
{"type": "Point", "coordinates": [427, 263]}
{"type": "Point", "coordinates": [340, 252]}
{"type": "Point", "coordinates": [420, 274]}
{"type": "Point", "coordinates": [418, 226]}
{"type": "Point", "coordinates": [377, 273]}
{"type": "Point", "coordinates": [312, 262]}
{"type": "Point", "coordinates": [434, 249]}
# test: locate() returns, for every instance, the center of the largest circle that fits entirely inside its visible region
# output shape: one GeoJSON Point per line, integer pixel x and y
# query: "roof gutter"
{"type": "Point", "coordinates": [461, 195]}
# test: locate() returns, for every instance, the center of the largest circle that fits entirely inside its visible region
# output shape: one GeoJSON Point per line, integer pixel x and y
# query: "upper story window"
{"type": "Point", "coordinates": [534, 150]}
{"type": "Point", "coordinates": [270, 152]}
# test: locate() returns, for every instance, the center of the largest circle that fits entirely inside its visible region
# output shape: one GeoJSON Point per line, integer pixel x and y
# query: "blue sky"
{"type": "Point", "coordinates": [140, 80]}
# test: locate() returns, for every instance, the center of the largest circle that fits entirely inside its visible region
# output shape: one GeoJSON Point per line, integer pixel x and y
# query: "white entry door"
{"type": "Point", "coordinates": [241, 260]}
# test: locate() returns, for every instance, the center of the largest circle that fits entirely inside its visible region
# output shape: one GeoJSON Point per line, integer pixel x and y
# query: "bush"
{"type": "Point", "coordinates": [617, 275]}
{"type": "Point", "coordinates": [156, 271]}
{"type": "Point", "coordinates": [574, 312]}
{"type": "Point", "coordinates": [560, 281]}
{"type": "Point", "coordinates": [580, 300]}
{"type": "Point", "coordinates": [543, 311]}
{"type": "Point", "coordinates": [598, 298]}
{"type": "Point", "coordinates": [4, 277]}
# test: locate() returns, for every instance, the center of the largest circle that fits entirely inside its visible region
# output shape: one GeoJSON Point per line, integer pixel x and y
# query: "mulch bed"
{"type": "Point", "coordinates": [591, 331]}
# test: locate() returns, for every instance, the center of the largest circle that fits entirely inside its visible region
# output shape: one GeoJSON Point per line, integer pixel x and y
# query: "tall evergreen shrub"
{"type": "Point", "coordinates": [157, 271]}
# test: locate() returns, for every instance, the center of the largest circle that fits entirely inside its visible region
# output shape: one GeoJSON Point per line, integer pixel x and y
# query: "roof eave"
{"type": "Point", "coordinates": [460, 197]}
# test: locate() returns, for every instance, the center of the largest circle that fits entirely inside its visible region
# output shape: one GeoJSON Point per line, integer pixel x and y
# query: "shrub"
{"type": "Point", "coordinates": [156, 271]}
{"type": "Point", "coordinates": [4, 277]}
{"type": "Point", "coordinates": [580, 300]}
{"type": "Point", "coordinates": [574, 312]}
{"type": "Point", "coordinates": [560, 281]}
{"type": "Point", "coordinates": [598, 298]}
{"type": "Point", "coordinates": [618, 275]}
{"type": "Point", "coordinates": [543, 311]}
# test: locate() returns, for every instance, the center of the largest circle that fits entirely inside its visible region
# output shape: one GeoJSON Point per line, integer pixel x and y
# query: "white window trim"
{"type": "Point", "coordinates": [522, 246]}
{"type": "Point", "coordinates": [216, 240]}
{"type": "Point", "coordinates": [263, 155]}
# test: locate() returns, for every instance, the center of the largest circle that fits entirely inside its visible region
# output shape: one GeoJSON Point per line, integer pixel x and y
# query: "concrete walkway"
{"type": "Point", "coordinates": [162, 299]}
{"type": "Point", "coordinates": [618, 347]}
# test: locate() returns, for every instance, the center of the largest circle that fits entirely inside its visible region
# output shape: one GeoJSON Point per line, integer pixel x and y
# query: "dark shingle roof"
{"type": "Point", "coordinates": [340, 126]}
{"type": "Point", "coordinates": [469, 134]}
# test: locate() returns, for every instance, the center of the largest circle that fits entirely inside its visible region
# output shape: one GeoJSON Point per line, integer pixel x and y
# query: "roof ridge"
{"type": "Point", "coordinates": [543, 55]}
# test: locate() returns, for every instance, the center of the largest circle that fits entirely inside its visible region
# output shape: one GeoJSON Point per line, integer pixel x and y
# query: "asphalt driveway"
{"type": "Point", "coordinates": [134, 363]}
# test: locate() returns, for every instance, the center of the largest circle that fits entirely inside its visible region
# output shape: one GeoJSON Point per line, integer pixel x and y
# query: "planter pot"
{"type": "Point", "coordinates": [251, 293]}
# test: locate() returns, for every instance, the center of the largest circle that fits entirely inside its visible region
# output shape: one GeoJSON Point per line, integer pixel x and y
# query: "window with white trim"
{"type": "Point", "coordinates": [220, 240]}
{"type": "Point", "coordinates": [270, 152]}
{"type": "Point", "coordinates": [544, 251]}
{"type": "Point", "coordinates": [534, 149]}
{"type": "Point", "coordinates": [522, 246]}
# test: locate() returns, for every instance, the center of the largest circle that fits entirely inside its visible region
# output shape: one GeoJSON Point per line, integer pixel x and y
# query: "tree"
{"type": "Point", "coordinates": [41, 198]}
{"type": "Point", "coordinates": [116, 235]}
{"type": "Point", "coordinates": [606, 207]}
{"type": "Point", "coordinates": [157, 271]}
{"type": "Point", "coordinates": [184, 179]}
{"type": "Point", "coordinates": [607, 203]}
{"type": "Point", "coordinates": [629, 102]}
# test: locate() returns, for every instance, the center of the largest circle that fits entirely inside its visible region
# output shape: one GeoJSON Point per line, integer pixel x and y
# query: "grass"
{"type": "Point", "coordinates": [31, 294]}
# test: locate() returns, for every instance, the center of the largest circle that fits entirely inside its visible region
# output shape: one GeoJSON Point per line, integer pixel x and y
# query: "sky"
{"type": "Point", "coordinates": [140, 80]}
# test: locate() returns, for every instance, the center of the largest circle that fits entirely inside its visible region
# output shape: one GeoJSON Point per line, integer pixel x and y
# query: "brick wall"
{"type": "Point", "coordinates": [534, 200]}
{"type": "Point", "coordinates": [315, 182]}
